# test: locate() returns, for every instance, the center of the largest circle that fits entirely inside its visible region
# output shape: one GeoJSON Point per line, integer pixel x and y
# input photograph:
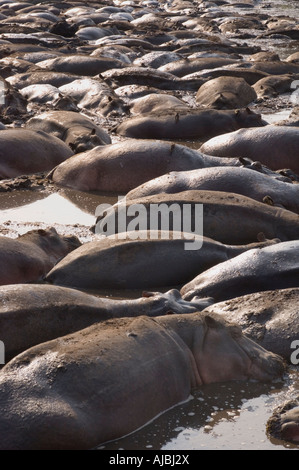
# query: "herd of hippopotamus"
{"type": "Point", "coordinates": [105, 97]}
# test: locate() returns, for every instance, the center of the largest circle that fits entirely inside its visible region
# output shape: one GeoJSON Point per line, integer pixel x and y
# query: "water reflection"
{"type": "Point", "coordinates": [13, 199]}
{"type": "Point", "coordinates": [53, 208]}
{"type": "Point", "coordinates": [230, 416]}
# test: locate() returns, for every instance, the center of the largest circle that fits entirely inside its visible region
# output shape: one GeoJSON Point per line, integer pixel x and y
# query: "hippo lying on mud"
{"type": "Point", "coordinates": [231, 179]}
{"type": "Point", "coordinates": [124, 262]}
{"type": "Point", "coordinates": [26, 151]}
{"type": "Point", "coordinates": [123, 166]}
{"type": "Point", "coordinates": [191, 124]}
{"type": "Point", "coordinates": [75, 129]}
{"type": "Point", "coordinates": [269, 318]}
{"type": "Point", "coordinates": [274, 146]}
{"type": "Point", "coordinates": [227, 217]}
{"type": "Point", "coordinates": [284, 423]}
{"type": "Point", "coordinates": [257, 270]}
{"type": "Point", "coordinates": [109, 379]}
{"type": "Point", "coordinates": [34, 314]}
{"type": "Point", "coordinates": [32, 255]}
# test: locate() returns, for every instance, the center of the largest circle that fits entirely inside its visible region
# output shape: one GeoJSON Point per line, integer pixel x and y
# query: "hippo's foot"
{"type": "Point", "coordinates": [284, 423]}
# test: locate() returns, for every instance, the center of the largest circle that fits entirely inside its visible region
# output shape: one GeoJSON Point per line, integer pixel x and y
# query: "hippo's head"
{"type": "Point", "coordinates": [82, 142]}
{"type": "Point", "coordinates": [247, 118]}
{"type": "Point", "coordinates": [223, 353]}
{"type": "Point", "coordinates": [55, 245]}
{"type": "Point", "coordinates": [171, 302]}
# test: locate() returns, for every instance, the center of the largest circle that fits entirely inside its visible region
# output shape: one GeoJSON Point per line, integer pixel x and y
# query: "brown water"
{"type": "Point", "coordinates": [225, 416]}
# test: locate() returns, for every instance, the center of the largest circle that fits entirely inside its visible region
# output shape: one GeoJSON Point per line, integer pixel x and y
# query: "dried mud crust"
{"type": "Point", "coordinates": [36, 181]}
{"type": "Point", "coordinates": [14, 229]}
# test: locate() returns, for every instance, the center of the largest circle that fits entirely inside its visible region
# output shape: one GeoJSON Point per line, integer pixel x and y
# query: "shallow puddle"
{"type": "Point", "coordinates": [224, 416]}
{"type": "Point", "coordinates": [63, 207]}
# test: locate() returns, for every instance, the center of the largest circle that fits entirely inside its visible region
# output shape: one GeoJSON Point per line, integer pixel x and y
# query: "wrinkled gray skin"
{"type": "Point", "coordinates": [30, 256]}
{"type": "Point", "coordinates": [126, 263]}
{"type": "Point", "coordinates": [228, 218]}
{"type": "Point", "coordinates": [257, 270]}
{"type": "Point", "coordinates": [253, 184]}
{"type": "Point", "coordinates": [269, 318]}
{"type": "Point", "coordinates": [76, 130]}
{"type": "Point", "coordinates": [156, 102]}
{"type": "Point", "coordinates": [225, 93]}
{"type": "Point", "coordinates": [190, 124]}
{"type": "Point", "coordinates": [273, 86]}
{"type": "Point", "coordinates": [33, 314]}
{"type": "Point", "coordinates": [42, 77]}
{"type": "Point", "coordinates": [274, 146]}
{"type": "Point", "coordinates": [94, 94]}
{"type": "Point", "coordinates": [81, 64]}
{"type": "Point", "coordinates": [123, 166]}
{"type": "Point", "coordinates": [69, 391]}
{"type": "Point", "coordinates": [26, 151]}
{"type": "Point", "coordinates": [284, 422]}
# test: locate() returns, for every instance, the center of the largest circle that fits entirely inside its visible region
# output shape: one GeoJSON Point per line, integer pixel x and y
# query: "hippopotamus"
{"type": "Point", "coordinates": [156, 102]}
{"type": "Point", "coordinates": [239, 180]}
{"type": "Point", "coordinates": [156, 59]}
{"type": "Point", "coordinates": [83, 389]}
{"type": "Point", "coordinates": [270, 318]}
{"type": "Point", "coordinates": [75, 129]}
{"type": "Point", "coordinates": [12, 104]}
{"type": "Point", "coordinates": [186, 66]}
{"type": "Point", "coordinates": [284, 422]}
{"type": "Point", "coordinates": [189, 124]}
{"type": "Point", "coordinates": [40, 94]}
{"type": "Point", "coordinates": [29, 257]}
{"type": "Point", "coordinates": [42, 77]}
{"type": "Point", "coordinates": [273, 85]}
{"type": "Point", "coordinates": [94, 94]}
{"type": "Point", "coordinates": [257, 270]}
{"type": "Point", "coordinates": [81, 64]}
{"type": "Point", "coordinates": [120, 167]}
{"type": "Point", "coordinates": [142, 259]}
{"type": "Point", "coordinates": [227, 217]}
{"type": "Point", "coordinates": [225, 93]}
{"type": "Point", "coordinates": [148, 76]}
{"type": "Point", "coordinates": [44, 312]}
{"type": "Point", "coordinates": [251, 74]}
{"type": "Point", "coordinates": [274, 146]}
{"type": "Point", "coordinates": [28, 151]}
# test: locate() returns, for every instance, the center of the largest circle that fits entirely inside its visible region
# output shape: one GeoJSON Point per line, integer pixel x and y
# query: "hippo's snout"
{"type": "Point", "coordinates": [265, 365]}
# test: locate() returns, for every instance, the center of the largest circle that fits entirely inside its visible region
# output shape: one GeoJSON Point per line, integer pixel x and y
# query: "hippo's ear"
{"type": "Point", "coordinates": [261, 237]}
{"type": "Point", "coordinates": [148, 294]}
{"type": "Point", "coordinates": [211, 322]}
{"type": "Point", "coordinates": [245, 161]}
{"type": "Point", "coordinates": [42, 232]}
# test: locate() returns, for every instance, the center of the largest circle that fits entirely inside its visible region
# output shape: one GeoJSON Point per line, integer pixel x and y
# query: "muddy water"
{"type": "Point", "coordinates": [228, 416]}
